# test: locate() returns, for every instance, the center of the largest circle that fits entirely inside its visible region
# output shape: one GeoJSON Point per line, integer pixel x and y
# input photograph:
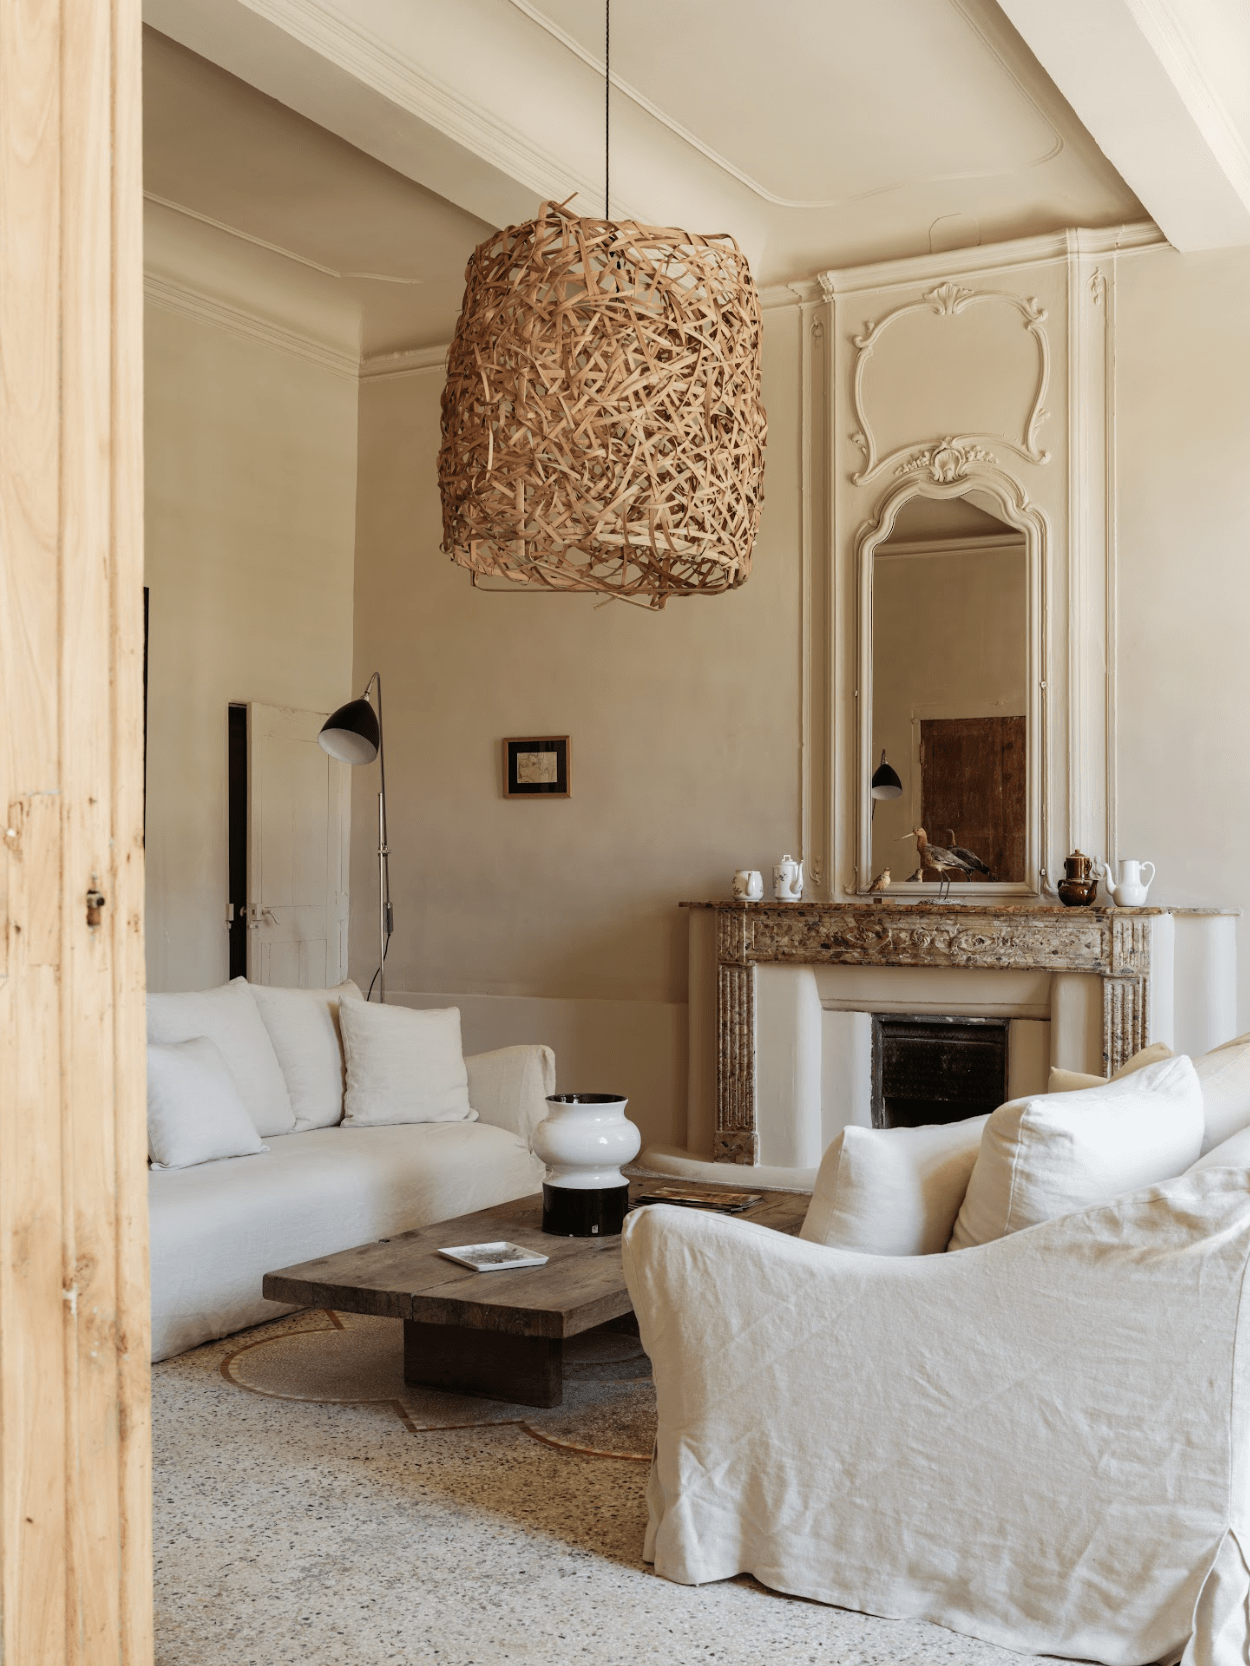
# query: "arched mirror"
{"type": "Point", "coordinates": [947, 741]}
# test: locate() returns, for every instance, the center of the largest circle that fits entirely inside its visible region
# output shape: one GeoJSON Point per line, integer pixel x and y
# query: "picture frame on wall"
{"type": "Point", "coordinates": [537, 767]}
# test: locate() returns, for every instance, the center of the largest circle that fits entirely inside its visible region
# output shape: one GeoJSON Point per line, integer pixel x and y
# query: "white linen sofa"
{"type": "Point", "coordinates": [217, 1227]}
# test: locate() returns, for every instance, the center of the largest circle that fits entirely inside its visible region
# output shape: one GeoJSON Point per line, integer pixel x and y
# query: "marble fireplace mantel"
{"type": "Point", "coordinates": [1131, 951]}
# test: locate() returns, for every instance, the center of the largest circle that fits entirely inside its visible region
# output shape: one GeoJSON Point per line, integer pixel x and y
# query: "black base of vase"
{"type": "Point", "coordinates": [570, 1213]}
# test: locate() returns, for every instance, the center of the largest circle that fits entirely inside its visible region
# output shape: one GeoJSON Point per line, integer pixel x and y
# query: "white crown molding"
{"type": "Point", "coordinates": [378, 64]}
{"type": "Point", "coordinates": [180, 298]}
{"type": "Point", "coordinates": [775, 295]}
{"type": "Point", "coordinates": [412, 361]}
{"type": "Point", "coordinates": [273, 248]}
{"type": "Point", "coordinates": [1051, 247]}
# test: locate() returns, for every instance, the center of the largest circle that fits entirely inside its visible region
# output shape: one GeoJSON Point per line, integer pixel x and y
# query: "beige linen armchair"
{"type": "Point", "coordinates": [1043, 1441]}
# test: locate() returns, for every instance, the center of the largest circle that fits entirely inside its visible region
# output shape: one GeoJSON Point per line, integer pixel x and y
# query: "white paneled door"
{"type": "Point", "coordinates": [298, 808]}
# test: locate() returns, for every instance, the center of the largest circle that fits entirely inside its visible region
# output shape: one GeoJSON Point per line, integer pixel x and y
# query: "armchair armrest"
{"type": "Point", "coordinates": [508, 1087]}
{"type": "Point", "coordinates": [1043, 1441]}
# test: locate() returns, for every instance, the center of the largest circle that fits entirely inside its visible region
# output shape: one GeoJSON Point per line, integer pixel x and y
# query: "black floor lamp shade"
{"type": "Point", "coordinates": [351, 733]}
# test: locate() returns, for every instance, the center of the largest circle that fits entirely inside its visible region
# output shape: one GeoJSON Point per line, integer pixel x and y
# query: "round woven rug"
{"type": "Point", "coordinates": [349, 1358]}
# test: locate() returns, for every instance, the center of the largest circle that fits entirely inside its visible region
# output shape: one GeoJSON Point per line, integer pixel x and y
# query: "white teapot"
{"type": "Point", "coordinates": [1132, 888]}
{"type": "Point", "coordinates": [788, 880]}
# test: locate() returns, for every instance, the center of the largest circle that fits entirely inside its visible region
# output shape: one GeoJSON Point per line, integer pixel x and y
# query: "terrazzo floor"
{"type": "Point", "coordinates": [311, 1510]}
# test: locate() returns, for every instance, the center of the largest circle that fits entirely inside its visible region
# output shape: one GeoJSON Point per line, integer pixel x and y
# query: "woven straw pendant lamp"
{"type": "Point", "coordinates": [602, 424]}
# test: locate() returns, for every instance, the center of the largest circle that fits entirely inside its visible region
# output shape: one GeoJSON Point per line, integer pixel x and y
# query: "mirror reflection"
{"type": "Point", "coordinates": [950, 695]}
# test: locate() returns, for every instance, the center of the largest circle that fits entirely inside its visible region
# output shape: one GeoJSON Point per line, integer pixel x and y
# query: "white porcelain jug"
{"type": "Point", "coordinates": [1132, 888]}
{"type": "Point", "coordinates": [748, 885]}
{"type": "Point", "coordinates": [788, 880]}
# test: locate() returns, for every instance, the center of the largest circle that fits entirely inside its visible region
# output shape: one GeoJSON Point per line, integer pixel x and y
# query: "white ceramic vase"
{"type": "Point", "coordinates": [585, 1139]}
{"type": "Point", "coordinates": [583, 1142]}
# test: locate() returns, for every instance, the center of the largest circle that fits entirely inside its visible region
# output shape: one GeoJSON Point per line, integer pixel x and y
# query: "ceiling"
{"type": "Point", "coordinates": [385, 137]}
{"type": "Point", "coordinates": [379, 250]}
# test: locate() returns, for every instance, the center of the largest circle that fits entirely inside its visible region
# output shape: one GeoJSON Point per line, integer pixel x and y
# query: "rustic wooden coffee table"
{"type": "Point", "coordinates": [498, 1334]}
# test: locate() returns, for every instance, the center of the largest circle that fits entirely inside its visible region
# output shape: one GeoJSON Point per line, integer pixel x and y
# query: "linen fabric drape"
{"type": "Point", "coordinates": [1041, 1441]}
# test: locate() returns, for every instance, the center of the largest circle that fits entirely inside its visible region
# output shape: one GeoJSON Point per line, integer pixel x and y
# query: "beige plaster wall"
{"type": "Point", "coordinates": [685, 763]}
{"type": "Point", "coordinates": [251, 479]}
{"type": "Point", "coordinates": [950, 639]}
{"type": "Point", "coordinates": [1182, 370]}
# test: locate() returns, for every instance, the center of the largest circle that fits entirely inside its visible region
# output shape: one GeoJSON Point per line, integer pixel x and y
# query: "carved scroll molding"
{"type": "Point", "coordinates": [944, 301]}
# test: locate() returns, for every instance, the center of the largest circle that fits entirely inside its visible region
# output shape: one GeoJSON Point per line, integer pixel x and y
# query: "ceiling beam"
{"type": "Point", "coordinates": [1150, 79]}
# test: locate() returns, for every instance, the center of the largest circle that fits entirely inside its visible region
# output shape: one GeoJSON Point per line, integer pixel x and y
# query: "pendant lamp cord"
{"type": "Point", "coordinates": [607, 111]}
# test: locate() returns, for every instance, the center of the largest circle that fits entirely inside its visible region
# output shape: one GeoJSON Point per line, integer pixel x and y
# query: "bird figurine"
{"type": "Point", "coordinates": [949, 860]}
{"type": "Point", "coordinates": [882, 881]}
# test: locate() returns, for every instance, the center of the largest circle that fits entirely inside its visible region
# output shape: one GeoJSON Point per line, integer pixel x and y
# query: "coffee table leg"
{"type": "Point", "coordinates": [528, 1370]}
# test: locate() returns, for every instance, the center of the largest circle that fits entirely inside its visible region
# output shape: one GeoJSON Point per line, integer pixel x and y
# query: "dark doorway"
{"type": "Point", "coordinates": [936, 1069]}
{"type": "Point", "coordinates": [236, 912]}
{"type": "Point", "coordinates": [973, 785]}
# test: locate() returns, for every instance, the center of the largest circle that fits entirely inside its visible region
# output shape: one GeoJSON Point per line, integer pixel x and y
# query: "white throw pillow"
{"type": "Point", "coordinates": [1059, 1152]}
{"type": "Point", "coordinates": [230, 1017]}
{"type": "Point", "coordinates": [1071, 1081]}
{"type": "Point", "coordinates": [1232, 1153]}
{"type": "Point", "coordinates": [195, 1112]}
{"type": "Point", "coordinates": [1225, 1077]}
{"type": "Point", "coordinates": [893, 1191]}
{"type": "Point", "coordinates": [303, 1025]}
{"type": "Point", "coordinates": [404, 1064]}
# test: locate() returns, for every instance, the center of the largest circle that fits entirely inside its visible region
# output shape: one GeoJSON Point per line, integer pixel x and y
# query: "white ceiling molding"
{"type": "Point", "coordinates": [498, 104]}
{"type": "Point", "coordinates": [536, 14]}
{"type": "Point", "coordinates": [1145, 76]}
{"type": "Point", "coordinates": [414, 361]}
{"type": "Point", "coordinates": [338, 34]}
{"type": "Point", "coordinates": [187, 302]}
{"type": "Point", "coordinates": [273, 248]}
{"type": "Point", "coordinates": [1049, 248]}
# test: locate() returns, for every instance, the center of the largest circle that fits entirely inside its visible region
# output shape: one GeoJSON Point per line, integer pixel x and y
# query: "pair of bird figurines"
{"type": "Point", "coordinates": [951, 861]}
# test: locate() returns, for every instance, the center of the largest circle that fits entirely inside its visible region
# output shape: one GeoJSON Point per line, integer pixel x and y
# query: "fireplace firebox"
{"type": "Point", "coordinates": [930, 1068]}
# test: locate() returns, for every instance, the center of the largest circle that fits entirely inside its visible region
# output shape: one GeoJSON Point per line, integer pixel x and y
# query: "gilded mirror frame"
{"type": "Point", "coordinates": [1006, 500]}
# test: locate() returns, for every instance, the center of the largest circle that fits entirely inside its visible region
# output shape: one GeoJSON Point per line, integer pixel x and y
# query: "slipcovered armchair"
{"type": "Point", "coordinates": [1043, 1441]}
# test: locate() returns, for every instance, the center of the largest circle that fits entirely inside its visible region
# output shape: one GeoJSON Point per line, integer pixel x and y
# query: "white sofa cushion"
{"type": "Point", "coordinates": [303, 1025]}
{"type": "Point", "coordinates": [1050, 1155]}
{"type": "Point", "coordinates": [217, 1229]}
{"type": "Point", "coordinates": [195, 1112]}
{"type": "Point", "coordinates": [1071, 1081]}
{"type": "Point", "coordinates": [1232, 1153]}
{"type": "Point", "coordinates": [403, 1065]}
{"type": "Point", "coordinates": [1225, 1077]}
{"type": "Point", "coordinates": [893, 1191]}
{"type": "Point", "coordinates": [229, 1016]}
{"type": "Point", "coordinates": [508, 1087]}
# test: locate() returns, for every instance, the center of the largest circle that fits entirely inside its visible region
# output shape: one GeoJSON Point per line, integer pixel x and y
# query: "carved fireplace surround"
{"type": "Point", "coordinates": [1131, 951]}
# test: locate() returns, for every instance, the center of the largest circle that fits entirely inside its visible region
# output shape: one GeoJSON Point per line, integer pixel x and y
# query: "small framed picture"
{"type": "Point", "coordinates": [536, 768]}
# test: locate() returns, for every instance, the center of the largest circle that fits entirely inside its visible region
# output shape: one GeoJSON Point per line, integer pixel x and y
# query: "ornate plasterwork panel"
{"type": "Point", "coordinates": [886, 356]}
{"type": "Point", "coordinates": [982, 372]}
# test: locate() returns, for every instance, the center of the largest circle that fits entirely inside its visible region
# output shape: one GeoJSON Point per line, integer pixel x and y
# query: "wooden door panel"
{"type": "Point", "coordinates": [973, 783]}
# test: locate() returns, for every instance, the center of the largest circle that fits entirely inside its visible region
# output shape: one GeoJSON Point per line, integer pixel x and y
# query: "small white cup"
{"type": "Point", "coordinates": [748, 885]}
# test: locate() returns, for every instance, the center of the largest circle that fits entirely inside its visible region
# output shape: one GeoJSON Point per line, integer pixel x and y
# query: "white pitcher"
{"type": "Point", "coordinates": [1132, 889]}
{"type": "Point", "coordinates": [748, 885]}
{"type": "Point", "coordinates": [788, 880]}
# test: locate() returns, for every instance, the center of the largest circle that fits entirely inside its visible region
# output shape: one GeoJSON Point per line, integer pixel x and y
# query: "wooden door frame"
{"type": "Point", "coordinates": [75, 1511]}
